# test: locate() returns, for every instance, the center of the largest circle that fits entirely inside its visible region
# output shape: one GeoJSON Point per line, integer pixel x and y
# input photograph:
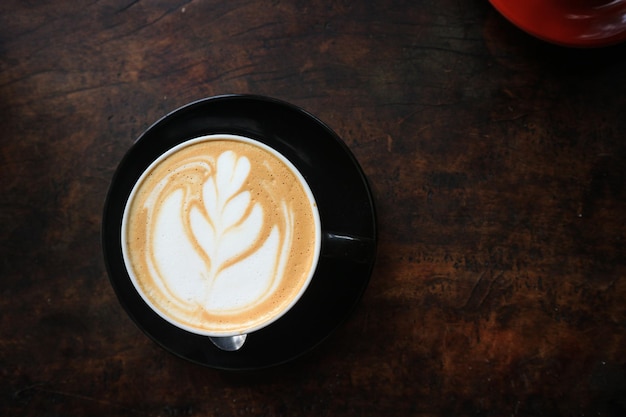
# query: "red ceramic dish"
{"type": "Point", "coordinates": [576, 23]}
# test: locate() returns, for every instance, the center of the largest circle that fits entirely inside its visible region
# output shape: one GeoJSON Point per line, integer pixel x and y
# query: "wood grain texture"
{"type": "Point", "coordinates": [498, 165]}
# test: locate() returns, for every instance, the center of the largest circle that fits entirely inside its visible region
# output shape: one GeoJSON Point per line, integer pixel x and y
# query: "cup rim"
{"type": "Point", "coordinates": [316, 244]}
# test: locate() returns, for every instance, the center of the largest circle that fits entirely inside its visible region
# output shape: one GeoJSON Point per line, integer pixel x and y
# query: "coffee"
{"type": "Point", "coordinates": [221, 235]}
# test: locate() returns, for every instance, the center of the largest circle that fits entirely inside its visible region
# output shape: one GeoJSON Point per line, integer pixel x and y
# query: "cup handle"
{"type": "Point", "coordinates": [340, 245]}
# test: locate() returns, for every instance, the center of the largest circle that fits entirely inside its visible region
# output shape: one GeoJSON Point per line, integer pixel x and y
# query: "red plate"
{"type": "Point", "coordinates": [576, 23]}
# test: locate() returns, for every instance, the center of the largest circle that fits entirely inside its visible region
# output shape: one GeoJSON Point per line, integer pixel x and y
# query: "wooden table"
{"type": "Point", "coordinates": [498, 165]}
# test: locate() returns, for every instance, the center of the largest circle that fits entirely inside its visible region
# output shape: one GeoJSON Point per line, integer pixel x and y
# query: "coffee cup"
{"type": "Point", "coordinates": [221, 235]}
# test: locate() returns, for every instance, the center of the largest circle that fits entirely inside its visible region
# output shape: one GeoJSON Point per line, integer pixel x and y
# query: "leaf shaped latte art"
{"type": "Point", "coordinates": [213, 245]}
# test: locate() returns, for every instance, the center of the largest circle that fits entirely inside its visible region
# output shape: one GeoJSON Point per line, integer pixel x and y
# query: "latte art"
{"type": "Point", "coordinates": [221, 235]}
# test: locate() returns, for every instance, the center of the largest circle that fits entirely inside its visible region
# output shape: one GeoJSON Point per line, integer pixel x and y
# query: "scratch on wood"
{"type": "Point", "coordinates": [128, 6]}
{"type": "Point", "coordinates": [40, 387]}
{"type": "Point", "coordinates": [481, 290]}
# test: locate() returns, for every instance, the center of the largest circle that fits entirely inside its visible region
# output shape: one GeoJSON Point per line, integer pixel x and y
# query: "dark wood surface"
{"type": "Point", "coordinates": [498, 165]}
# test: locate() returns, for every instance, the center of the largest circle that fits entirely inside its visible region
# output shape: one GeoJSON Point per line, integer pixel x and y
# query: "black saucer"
{"type": "Point", "coordinates": [345, 205]}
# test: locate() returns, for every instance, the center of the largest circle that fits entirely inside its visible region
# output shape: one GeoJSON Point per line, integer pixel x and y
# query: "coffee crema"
{"type": "Point", "coordinates": [221, 235]}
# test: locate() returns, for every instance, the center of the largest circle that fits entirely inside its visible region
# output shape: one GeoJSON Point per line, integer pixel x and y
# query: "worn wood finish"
{"type": "Point", "coordinates": [497, 163]}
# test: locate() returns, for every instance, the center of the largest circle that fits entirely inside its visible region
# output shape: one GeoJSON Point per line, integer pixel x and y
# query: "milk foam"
{"type": "Point", "coordinates": [223, 236]}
